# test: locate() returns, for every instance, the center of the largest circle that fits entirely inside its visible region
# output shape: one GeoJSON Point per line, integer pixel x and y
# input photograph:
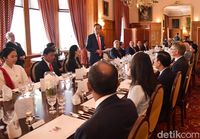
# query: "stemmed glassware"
{"type": "Point", "coordinates": [51, 99]}
{"type": "Point", "coordinates": [22, 89]}
{"type": "Point", "coordinates": [30, 86]}
{"type": "Point", "coordinates": [61, 101]}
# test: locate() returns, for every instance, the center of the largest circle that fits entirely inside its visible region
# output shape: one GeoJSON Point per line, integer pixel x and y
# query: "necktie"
{"type": "Point", "coordinates": [50, 67]}
{"type": "Point", "coordinates": [99, 44]}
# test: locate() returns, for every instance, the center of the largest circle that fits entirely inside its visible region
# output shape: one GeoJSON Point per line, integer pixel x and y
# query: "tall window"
{"type": "Point", "coordinates": [38, 34]}
{"type": "Point", "coordinates": [67, 36]}
{"type": "Point", "coordinates": [17, 26]}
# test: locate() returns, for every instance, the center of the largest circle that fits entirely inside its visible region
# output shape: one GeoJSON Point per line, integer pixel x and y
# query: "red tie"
{"type": "Point", "coordinates": [50, 67]}
{"type": "Point", "coordinates": [99, 44]}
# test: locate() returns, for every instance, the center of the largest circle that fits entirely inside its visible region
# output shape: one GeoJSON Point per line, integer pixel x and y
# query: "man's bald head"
{"type": "Point", "coordinates": [103, 78]}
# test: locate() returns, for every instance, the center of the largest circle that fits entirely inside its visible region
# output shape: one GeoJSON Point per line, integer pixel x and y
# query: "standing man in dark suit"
{"type": "Point", "coordinates": [113, 117]}
{"type": "Point", "coordinates": [47, 64]}
{"type": "Point", "coordinates": [95, 45]}
{"type": "Point", "coordinates": [177, 51]}
{"type": "Point", "coordinates": [166, 78]}
{"type": "Point", "coordinates": [20, 52]}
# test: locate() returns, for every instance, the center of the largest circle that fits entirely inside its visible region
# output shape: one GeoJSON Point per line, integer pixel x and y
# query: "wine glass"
{"type": "Point", "coordinates": [22, 90]}
{"type": "Point", "coordinates": [30, 88]}
{"type": "Point", "coordinates": [61, 101]}
{"type": "Point", "coordinates": [51, 99]}
{"type": "Point", "coordinates": [8, 116]}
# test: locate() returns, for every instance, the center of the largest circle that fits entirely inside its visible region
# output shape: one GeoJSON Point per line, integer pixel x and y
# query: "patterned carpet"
{"type": "Point", "coordinates": [192, 122]}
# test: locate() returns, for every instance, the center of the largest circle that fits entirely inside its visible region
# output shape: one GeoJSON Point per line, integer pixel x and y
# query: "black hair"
{"type": "Point", "coordinates": [98, 25]}
{"type": "Point", "coordinates": [48, 50]}
{"type": "Point", "coordinates": [72, 51]}
{"type": "Point", "coordinates": [103, 83]}
{"type": "Point", "coordinates": [142, 73]}
{"type": "Point", "coordinates": [6, 51]}
{"type": "Point", "coordinates": [164, 58]}
{"type": "Point", "coordinates": [195, 47]}
{"type": "Point", "coordinates": [51, 44]}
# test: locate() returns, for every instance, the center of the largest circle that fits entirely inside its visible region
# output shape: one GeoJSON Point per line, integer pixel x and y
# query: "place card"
{"type": "Point", "coordinates": [60, 128]}
{"type": "Point", "coordinates": [79, 74]}
{"type": "Point", "coordinates": [24, 105]}
{"type": "Point", "coordinates": [38, 123]}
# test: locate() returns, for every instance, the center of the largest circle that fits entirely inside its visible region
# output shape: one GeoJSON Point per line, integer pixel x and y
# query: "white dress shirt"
{"type": "Point", "coordinates": [137, 95]}
{"type": "Point", "coordinates": [16, 73]}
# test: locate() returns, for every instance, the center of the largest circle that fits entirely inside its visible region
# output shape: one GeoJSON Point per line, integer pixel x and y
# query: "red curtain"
{"type": "Point", "coordinates": [6, 12]}
{"type": "Point", "coordinates": [118, 18]}
{"type": "Point", "coordinates": [49, 10]}
{"type": "Point", "coordinates": [79, 22]}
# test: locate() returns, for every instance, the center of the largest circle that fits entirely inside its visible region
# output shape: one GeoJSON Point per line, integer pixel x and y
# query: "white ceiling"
{"type": "Point", "coordinates": [178, 10]}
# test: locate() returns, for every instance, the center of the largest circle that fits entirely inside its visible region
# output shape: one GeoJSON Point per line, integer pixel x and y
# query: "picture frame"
{"type": "Point", "coordinates": [145, 13]}
{"type": "Point", "coordinates": [175, 23]}
{"type": "Point", "coordinates": [105, 8]}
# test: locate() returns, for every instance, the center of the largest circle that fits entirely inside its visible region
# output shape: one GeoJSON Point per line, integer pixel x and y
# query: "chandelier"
{"type": "Point", "coordinates": [139, 3]}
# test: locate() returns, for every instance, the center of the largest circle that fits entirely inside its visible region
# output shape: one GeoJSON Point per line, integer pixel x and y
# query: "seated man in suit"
{"type": "Point", "coordinates": [95, 45]}
{"type": "Point", "coordinates": [47, 64]}
{"type": "Point", "coordinates": [114, 117]}
{"type": "Point", "coordinates": [131, 49]}
{"type": "Point", "coordinates": [177, 51]}
{"type": "Point", "coordinates": [140, 46]}
{"type": "Point", "coordinates": [146, 45]}
{"type": "Point", "coordinates": [116, 51]}
{"type": "Point", "coordinates": [166, 78]}
{"type": "Point", "coordinates": [12, 43]}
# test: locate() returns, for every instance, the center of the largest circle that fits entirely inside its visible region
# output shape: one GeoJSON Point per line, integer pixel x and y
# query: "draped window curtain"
{"type": "Point", "coordinates": [118, 15]}
{"type": "Point", "coordinates": [6, 11]}
{"type": "Point", "coordinates": [79, 22]}
{"type": "Point", "coordinates": [49, 10]}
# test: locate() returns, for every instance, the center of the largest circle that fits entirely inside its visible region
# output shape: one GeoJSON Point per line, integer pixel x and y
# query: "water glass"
{"type": "Point", "coordinates": [61, 102]}
{"type": "Point", "coordinates": [51, 99]}
{"type": "Point", "coordinates": [30, 88]}
{"type": "Point", "coordinates": [22, 89]}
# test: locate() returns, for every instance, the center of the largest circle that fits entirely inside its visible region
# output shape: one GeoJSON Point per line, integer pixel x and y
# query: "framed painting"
{"type": "Point", "coordinates": [145, 13]}
{"type": "Point", "coordinates": [105, 8]}
{"type": "Point", "coordinates": [175, 23]}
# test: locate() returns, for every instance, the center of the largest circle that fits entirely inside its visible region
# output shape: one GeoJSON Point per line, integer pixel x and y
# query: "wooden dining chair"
{"type": "Point", "coordinates": [140, 129]}
{"type": "Point", "coordinates": [154, 109]}
{"type": "Point", "coordinates": [182, 103]}
{"type": "Point", "coordinates": [173, 100]}
{"type": "Point", "coordinates": [32, 71]}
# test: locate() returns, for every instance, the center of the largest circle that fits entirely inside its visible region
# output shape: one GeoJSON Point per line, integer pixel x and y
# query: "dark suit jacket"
{"type": "Point", "coordinates": [137, 48]}
{"type": "Point", "coordinates": [130, 51]}
{"type": "Point", "coordinates": [117, 53]}
{"type": "Point", "coordinates": [19, 50]}
{"type": "Point", "coordinates": [72, 64]}
{"type": "Point", "coordinates": [181, 65]}
{"type": "Point", "coordinates": [166, 78]}
{"type": "Point", "coordinates": [113, 119]}
{"type": "Point", "coordinates": [142, 48]}
{"type": "Point", "coordinates": [92, 46]}
{"type": "Point", "coordinates": [42, 67]}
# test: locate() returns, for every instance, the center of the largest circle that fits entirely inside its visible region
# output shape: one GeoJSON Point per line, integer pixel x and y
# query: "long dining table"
{"type": "Point", "coordinates": [41, 108]}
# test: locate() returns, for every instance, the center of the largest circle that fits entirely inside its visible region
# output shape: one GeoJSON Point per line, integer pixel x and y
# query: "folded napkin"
{"type": "Point", "coordinates": [60, 128]}
{"type": "Point", "coordinates": [7, 93]}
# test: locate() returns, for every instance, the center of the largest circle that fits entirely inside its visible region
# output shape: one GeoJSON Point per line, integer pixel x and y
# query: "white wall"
{"type": "Point", "coordinates": [158, 10]}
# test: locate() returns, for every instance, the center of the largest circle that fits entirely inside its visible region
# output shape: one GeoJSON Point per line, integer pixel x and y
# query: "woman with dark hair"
{"type": "Point", "coordinates": [72, 61]}
{"type": "Point", "coordinates": [143, 81]}
{"type": "Point", "coordinates": [11, 74]}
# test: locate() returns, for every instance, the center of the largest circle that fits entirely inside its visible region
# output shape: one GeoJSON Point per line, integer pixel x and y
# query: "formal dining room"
{"type": "Point", "coordinates": [99, 69]}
